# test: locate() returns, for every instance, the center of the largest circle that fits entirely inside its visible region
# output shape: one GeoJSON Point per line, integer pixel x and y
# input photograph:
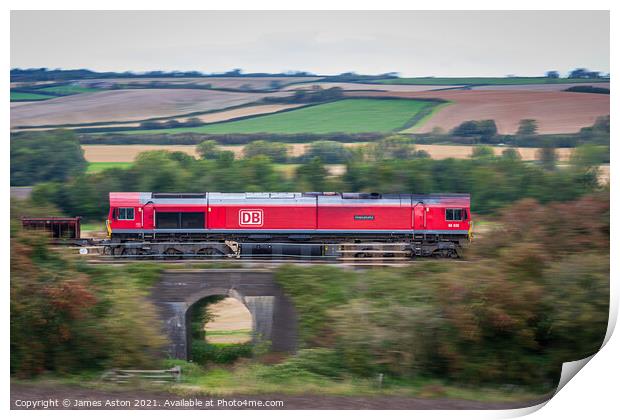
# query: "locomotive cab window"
{"type": "Point", "coordinates": [454, 214]}
{"type": "Point", "coordinates": [125, 213]}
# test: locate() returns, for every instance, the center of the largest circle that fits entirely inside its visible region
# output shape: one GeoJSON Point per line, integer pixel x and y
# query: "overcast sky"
{"type": "Point", "coordinates": [413, 43]}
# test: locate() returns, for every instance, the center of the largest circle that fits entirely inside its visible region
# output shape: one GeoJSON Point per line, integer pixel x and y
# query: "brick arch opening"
{"type": "Point", "coordinates": [191, 313]}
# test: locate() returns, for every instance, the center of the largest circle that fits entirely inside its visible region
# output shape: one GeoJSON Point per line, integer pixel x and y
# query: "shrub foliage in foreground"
{"type": "Point", "coordinates": [533, 296]}
{"type": "Point", "coordinates": [68, 318]}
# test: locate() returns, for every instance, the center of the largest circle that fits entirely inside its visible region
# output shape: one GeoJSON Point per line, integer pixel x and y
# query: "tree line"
{"type": "Point", "coordinates": [467, 133]}
{"type": "Point", "coordinates": [493, 182]}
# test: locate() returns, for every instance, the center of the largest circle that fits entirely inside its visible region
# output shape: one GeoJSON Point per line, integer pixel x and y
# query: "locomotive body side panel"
{"type": "Point", "coordinates": [336, 213]}
{"type": "Point", "coordinates": [266, 212]}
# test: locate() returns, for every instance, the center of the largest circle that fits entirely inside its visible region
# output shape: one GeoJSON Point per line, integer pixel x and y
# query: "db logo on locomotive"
{"type": "Point", "coordinates": [251, 217]}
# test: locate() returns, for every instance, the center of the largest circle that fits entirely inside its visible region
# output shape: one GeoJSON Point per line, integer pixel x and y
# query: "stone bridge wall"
{"type": "Point", "coordinates": [273, 315]}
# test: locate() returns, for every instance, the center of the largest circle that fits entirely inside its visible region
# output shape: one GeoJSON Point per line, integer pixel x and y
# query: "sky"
{"type": "Point", "coordinates": [412, 43]}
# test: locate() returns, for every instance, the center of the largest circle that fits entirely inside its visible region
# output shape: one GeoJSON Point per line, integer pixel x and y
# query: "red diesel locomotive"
{"type": "Point", "coordinates": [312, 223]}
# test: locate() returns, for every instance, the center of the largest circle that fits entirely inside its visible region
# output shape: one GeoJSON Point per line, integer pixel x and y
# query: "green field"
{"type": "Point", "coordinates": [94, 167]}
{"type": "Point", "coordinates": [481, 81]}
{"type": "Point", "coordinates": [348, 115]}
{"type": "Point", "coordinates": [68, 90]}
{"type": "Point", "coordinates": [22, 96]}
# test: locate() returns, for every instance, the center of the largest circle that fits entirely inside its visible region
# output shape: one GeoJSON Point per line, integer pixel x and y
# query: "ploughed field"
{"type": "Point", "coordinates": [233, 104]}
{"type": "Point", "coordinates": [483, 81]}
{"type": "Point", "coordinates": [128, 105]}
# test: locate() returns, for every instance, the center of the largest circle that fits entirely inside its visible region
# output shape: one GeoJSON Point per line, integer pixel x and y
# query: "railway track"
{"type": "Point", "coordinates": [374, 254]}
{"type": "Point", "coordinates": [345, 254]}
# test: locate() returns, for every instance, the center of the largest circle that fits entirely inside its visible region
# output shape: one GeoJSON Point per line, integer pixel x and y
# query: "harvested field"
{"type": "Point", "coordinates": [128, 153]}
{"type": "Point", "coordinates": [440, 151]}
{"type": "Point", "coordinates": [105, 153]}
{"type": "Point", "coordinates": [254, 83]}
{"type": "Point", "coordinates": [128, 105]}
{"type": "Point", "coordinates": [232, 323]}
{"type": "Point", "coordinates": [603, 174]}
{"type": "Point", "coordinates": [123, 153]}
{"type": "Point", "coordinates": [556, 112]}
{"type": "Point", "coordinates": [367, 86]}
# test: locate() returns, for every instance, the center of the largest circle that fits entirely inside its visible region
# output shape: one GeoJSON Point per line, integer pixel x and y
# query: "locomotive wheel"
{"type": "Point", "coordinates": [118, 251]}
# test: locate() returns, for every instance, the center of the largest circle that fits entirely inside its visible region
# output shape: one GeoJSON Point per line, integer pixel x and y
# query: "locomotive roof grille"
{"type": "Point", "coordinates": [365, 196]}
{"type": "Point", "coordinates": [179, 195]}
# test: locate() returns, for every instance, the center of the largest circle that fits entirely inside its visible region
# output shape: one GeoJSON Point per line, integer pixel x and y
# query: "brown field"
{"type": "Point", "coordinates": [215, 82]}
{"type": "Point", "coordinates": [209, 117]}
{"type": "Point", "coordinates": [541, 87]}
{"type": "Point", "coordinates": [368, 87]}
{"type": "Point", "coordinates": [127, 105]}
{"type": "Point", "coordinates": [121, 153]}
{"type": "Point", "coordinates": [556, 112]}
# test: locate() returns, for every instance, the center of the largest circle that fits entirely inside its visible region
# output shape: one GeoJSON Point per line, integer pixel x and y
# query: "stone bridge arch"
{"type": "Point", "coordinates": [273, 315]}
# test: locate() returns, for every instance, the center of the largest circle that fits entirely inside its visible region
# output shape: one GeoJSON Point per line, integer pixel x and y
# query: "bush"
{"type": "Point", "coordinates": [535, 295]}
{"type": "Point", "coordinates": [204, 352]}
{"type": "Point", "coordinates": [277, 152]}
{"type": "Point", "coordinates": [68, 318]}
{"type": "Point", "coordinates": [327, 152]}
{"type": "Point", "coordinates": [45, 156]}
{"type": "Point", "coordinates": [319, 361]}
{"type": "Point", "coordinates": [485, 129]}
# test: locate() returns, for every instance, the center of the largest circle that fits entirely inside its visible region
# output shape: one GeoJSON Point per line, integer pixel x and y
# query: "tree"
{"type": "Point", "coordinates": [312, 176]}
{"type": "Point", "coordinates": [482, 152]}
{"type": "Point", "coordinates": [590, 155]}
{"type": "Point", "coordinates": [527, 127]}
{"type": "Point", "coordinates": [208, 149]}
{"type": "Point", "coordinates": [45, 156]}
{"type": "Point", "coordinates": [327, 151]}
{"type": "Point", "coordinates": [392, 147]}
{"type": "Point", "coordinates": [486, 129]}
{"type": "Point", "coordinates": [511, 154]}
{"type": "Point", "coordinates": [277, 152]}
{"type": "Point", "coordinates": [547, 157]}
{"type": "Point", "coordinates": [552, 74]}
